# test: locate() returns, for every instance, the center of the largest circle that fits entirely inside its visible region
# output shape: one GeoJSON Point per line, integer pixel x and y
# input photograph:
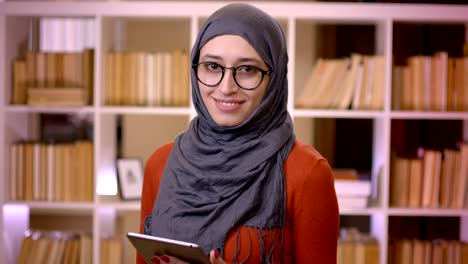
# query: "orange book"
{"type": "Point", "coordinates": [447, 177]}
{"type": "Point", "coordinates": [31, 69]}
{"type": "Point", "coordinates": [19, 82]}
{"type": "Point", "coordinates": [41, 69]}
{"type": "Point", "coordinates": [88, 74]}
{"type": "Point", "coordinates": [399, 182]}
{"type": "Point", "coordinates": [28, 171]}
{"type": "Point", "coordinates": [415, 183]}
{"type": "Point", "coordinates": [50, 78]}
{"type": "Point", "coordinates": [451, 85]}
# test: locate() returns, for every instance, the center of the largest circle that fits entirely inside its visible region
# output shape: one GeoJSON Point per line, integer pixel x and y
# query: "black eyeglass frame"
{"type": "Point", "coordinates": [234, 71]}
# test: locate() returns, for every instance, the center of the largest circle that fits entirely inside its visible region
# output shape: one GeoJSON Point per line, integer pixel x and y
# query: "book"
{"type": "Point", "coordinates": [14, 172]}
{"type": "Point", "coordinates": [57, 97]}
{"type": "Point", "coordinates": [415, 183]}
{"type": "Point", "coordinates": [399, 182]}
{"type": "Point", "coordinates": [353, 187]}
{"type": "Point", "coordinates": [350, 81]}
{"type": "Point", "coordinates": [305, 100]}
{"type": "Point", "coordinates": [19, 82]}
{"type": "Point", "coordinates": [352, 202]}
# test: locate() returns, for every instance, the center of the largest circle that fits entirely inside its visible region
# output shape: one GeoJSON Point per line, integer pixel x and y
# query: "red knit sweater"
{"type": "Point", "coordinates": [312, 217]}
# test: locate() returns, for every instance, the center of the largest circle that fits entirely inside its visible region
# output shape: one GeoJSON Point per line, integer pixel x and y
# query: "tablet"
{"type": "Point", "coordinates": [149, 246]}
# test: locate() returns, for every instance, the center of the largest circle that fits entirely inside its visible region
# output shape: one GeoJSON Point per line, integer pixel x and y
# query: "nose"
{"type": "Point", "coordinates": [228, 85]}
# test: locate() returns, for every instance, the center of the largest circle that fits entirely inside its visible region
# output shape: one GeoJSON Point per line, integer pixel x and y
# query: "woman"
{"type": "Point", "coordinates": [237, 181]}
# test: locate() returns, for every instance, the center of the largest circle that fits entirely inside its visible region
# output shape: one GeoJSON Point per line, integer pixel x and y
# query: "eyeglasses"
{"type": "Point", "coordinates": [247, 77]}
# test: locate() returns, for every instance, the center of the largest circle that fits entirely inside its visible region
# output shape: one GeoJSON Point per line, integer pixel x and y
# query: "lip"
{"type": "Point", "coordinates": [227, 105]}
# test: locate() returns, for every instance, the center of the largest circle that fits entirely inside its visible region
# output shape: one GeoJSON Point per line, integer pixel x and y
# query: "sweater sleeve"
{"type": "Point", "coordinates": [154, 168]}
{"type": "Point", "coordinates": [316, 217]}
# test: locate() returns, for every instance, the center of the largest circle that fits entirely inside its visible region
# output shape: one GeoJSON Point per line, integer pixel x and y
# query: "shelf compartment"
{"type": "Point", "coordinates": [141, 64]}
{"type": "Point", "coordinates": [328, 65]}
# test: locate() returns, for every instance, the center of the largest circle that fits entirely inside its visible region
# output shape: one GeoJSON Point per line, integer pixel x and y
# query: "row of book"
{"type": "Point", "coordinates": [52, 247]}
{"type": "Point", "coordinates": [433, 179]}
{"type": "Point", "coordinates": [355, 247]}
{"type": "Point", "coordinates": [54, 78]}
{"type": "Point", "coordinates": [431, 83]}
{"type": "Point", "coordinates": [356, 83]}
{"type": "Point", "coordinates": [51, 172]}
{"type": "Point", "coordinates": [147, 79]}
{"type": "Point", "coordinates": [440, 251]}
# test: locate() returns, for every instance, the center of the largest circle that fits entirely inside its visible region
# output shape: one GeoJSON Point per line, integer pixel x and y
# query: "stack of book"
{"type": "Point", "coordinates": [415, 251]}
{"type": "Point", "coordinates": [433, 179]}
{"type": "Point", "coordinates": [55, 247]}
{"type": "Point", "coordinates": [352, 190]}
{"type": "Point", "coordinates": [431, 83]}
{"type": "Point", "coordinates": [355, 247]}
{"type": "Point", "coordinates": [53, 79]}
{"type": "Point", "coordinates": [356, 83]}
{"type": "Point", "coordinates": [147, 79]}
{"type": "Point", "coordinates": [51, 172]}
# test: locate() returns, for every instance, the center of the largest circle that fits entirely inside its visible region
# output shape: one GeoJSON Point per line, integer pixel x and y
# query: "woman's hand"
{"type": "Point", "coordinates": [214, 259]}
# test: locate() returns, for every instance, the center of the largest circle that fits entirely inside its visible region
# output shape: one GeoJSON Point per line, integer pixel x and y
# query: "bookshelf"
{"type": "Point", "coordinates": [115, 26]}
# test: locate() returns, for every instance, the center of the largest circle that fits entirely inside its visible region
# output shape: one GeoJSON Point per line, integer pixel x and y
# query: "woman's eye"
{"type": "Point", "coordinates": [246, 69]}
{"type": "Point", "coordinates": [213, 67]}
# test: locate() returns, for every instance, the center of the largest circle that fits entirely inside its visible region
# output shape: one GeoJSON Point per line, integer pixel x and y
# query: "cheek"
{"type": "Point", "coordinates": [204, 93]}
{"type": "Point", "coordinates": [258, 97]}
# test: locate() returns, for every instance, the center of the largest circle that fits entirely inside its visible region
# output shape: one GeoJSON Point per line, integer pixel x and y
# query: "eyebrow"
{"type": "Point", "coordinates": [241, 59]}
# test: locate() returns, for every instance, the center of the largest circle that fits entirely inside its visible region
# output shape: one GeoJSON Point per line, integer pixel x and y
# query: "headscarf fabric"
{"type": "Point", "coordinates": [220, 178]}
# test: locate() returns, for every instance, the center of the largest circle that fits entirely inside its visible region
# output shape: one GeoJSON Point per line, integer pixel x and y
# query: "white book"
{"type": "Point", "coordinates": [353, 187]}
{"type": "Point", "coordinates": [69, 41]}
{"type": "Point", "coordinates": [88, 33]}
{"type": "Point", "coordinates": [79, 32]}
{"type": "Point", "coordinates": [351, 202]}
{"type": "Point", "coordinates": [45, 34]}
{"type": "Point", "coordinates": [57, 36]}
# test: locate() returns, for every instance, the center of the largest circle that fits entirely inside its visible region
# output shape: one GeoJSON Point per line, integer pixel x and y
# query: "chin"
{"type": "Point", "coordinates": [227, 122]}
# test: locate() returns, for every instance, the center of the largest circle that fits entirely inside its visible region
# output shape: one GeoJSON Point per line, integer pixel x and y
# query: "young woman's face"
{"type": "Point", "coordinates": [227, 103]}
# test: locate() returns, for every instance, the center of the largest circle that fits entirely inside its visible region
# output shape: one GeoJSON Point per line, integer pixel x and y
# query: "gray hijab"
{"type": "Point", "coordinates": [220, 178]}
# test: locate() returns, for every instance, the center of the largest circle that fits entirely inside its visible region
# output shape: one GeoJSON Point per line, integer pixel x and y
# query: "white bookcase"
{"type": "Point", "coordinates": [179, 23]}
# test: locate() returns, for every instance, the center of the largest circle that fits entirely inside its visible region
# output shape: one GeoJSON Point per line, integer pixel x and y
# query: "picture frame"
{"type": "Point", "coordinates": [130, 178]}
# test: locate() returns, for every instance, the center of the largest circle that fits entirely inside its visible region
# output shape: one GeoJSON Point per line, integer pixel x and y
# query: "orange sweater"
{"type": "Point", "coordinates": [312, 217]}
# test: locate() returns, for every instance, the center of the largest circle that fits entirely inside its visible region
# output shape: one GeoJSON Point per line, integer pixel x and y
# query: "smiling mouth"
{"type": "Point", "coordinates": [227, 106]}
{"type": "Point", "coordinates": [227, 103]}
